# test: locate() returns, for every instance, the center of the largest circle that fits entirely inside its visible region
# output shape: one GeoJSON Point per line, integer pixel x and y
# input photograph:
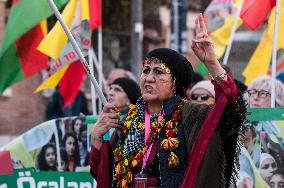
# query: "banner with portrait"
{"type": "Point", "coordinates": [56, 145]}
{"type": "Point", "coordinates": [262, 157]}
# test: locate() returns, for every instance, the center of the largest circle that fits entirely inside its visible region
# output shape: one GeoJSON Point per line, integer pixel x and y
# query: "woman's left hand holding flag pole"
{"type": "Point", "coordinates": [78, 51]}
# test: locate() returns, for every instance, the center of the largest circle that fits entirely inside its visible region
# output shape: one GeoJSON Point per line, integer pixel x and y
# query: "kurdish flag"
{"type": "Point", "coordinates": [67, 71]}
{"type": "Point", "coordinates": [19, 58]}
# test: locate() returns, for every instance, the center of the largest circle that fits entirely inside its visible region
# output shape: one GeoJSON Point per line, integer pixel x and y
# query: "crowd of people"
{"type": "Point", "coordinates": [183, 111]}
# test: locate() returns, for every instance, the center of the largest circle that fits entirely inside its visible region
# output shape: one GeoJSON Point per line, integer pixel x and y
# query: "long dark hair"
{"type": "Point", "coordinates": [42, 165]}
{"type": "Point", "coordinates": [76, 151]}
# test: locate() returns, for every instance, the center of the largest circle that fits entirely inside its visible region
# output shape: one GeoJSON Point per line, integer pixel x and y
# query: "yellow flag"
{"type": "Point", "coordinates": [221, 36]}
{"type": "Point", "coordinates": [85, 10]}
{"type": "Point", "coordinates": [53, 81]}
{"type": "Point", "coordinates": [55, 41]}
{"type": "Point", "coordinates": [260, 60]}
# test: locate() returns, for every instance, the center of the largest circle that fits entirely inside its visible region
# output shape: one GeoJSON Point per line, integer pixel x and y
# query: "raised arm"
{"type": "Point", "coordinates": [204, 50]}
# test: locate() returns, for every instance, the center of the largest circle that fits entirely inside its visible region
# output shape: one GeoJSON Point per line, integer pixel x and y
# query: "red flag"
{"type": "Point", "coordinates": [254, 12]}
{"type": "Point", "coordinates": [71, 82]}
{"type": "Point", "coordinates": [6, 164]}
{"type": "Point", "coordinates": [95, 11]}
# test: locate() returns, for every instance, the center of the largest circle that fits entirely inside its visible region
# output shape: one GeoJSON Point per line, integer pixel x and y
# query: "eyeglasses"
{"type": "Point", "coordinates": [260, 93]}
{"type": "Point", "coordinates": [203, 96]}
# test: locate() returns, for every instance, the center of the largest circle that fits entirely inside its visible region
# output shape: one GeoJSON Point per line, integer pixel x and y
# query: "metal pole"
{"type": "Point", "coordinates": [136, 37]}
{"type": "Point", "coordinates": [94, 104]}
{"type": "Point", "coordinates": [100, 57]}
{"type": "Point", "coordinates": [233, 32]}
{"type": "Point", "coordinates": [78, 51]}
{"type": "Point", "coordinates": [176, 24]}
{"type": "Point", "coordinates": [274, 53]}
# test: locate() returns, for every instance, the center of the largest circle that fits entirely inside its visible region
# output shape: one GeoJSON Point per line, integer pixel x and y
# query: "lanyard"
{"type": "Point", "coordinates": [147, 136]}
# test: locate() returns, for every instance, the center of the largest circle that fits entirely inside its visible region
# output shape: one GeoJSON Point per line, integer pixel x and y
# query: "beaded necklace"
{"type": "Point", "coordinates": [124, 164]}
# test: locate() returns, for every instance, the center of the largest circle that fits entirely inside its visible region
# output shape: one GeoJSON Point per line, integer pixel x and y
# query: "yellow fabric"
{"type": "Point", "coordinates": [55, 41]}
{"type": "Point", "coordinates": [43, 25]}
{"type": "Point", "coordinates": [85, 10]}
{"type": "Point", "coordinates": [17, 148]}
{"type": "Point", "coordinates": [261, 58]}
{"type": "Point", "coordinates": [259, 182]}
{"type": "Point", "coordinates": [221, 36]}
{"type": "Point", "coordinates": [52, 81]}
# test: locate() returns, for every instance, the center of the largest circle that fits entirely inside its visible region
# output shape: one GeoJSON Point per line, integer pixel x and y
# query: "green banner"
{"type": "Point", "coordinates": [28, 178]}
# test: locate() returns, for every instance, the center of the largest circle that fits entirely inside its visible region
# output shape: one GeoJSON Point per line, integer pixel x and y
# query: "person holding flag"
{"type": "Point", "coordinates": [165, 140]}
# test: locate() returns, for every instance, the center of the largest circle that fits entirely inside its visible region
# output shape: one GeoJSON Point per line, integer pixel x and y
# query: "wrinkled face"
{"type": "Point", "coordinates": [267, 167]}
{"type": "Point", "coordinates": [277, 181]}
{"type": "Point", "coordinates": [202, 96]}
{"type": "Point", "coordinates": [118, 97]}
{"type": "Point", "coordinates": [70, 146]}
{"type": "Point", "coordinates": [259, 97]}
{"type": "Point", "coordinates": [50, 157]}
{"type": "Point", "coordinates": [156, 83]}
{"type": "Point", "coordinates": [77, 125]}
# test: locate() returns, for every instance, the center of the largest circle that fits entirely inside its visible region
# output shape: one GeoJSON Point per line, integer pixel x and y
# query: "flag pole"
{"type": "Point", "coordinates": [233, 32]}
{"type": "Point", "coordinates": [100, 61]}
{"type": "Point", "coordinates": [78, 51]}
{"type": "Point", "coordinates": [94, 103]}
{"type": "Point", "coordinates": [274, 53]}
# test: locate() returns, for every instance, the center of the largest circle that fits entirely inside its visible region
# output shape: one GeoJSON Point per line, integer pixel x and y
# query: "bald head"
{"type": "Point", "coordinates": [114, 74]}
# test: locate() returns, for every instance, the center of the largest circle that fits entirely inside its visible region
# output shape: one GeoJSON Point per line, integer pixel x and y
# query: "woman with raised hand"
{"type": "Point", "coordinates": [170, 141]}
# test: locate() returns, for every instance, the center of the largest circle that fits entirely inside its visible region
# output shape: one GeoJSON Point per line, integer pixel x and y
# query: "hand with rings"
{"type": "Point", "coordinates": [108, 119]}
{"type": "Point", "coordinates": [201, 44]}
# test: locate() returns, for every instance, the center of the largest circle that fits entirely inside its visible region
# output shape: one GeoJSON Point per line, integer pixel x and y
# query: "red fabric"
{"type": "Point", "coordinates": [31, 60]}
{"type": "Point", "coordinates": [6, 164]}
{"type": "Point", "coordinates": [95, 11]}
{"type": "Point", "coordinates": [71, 82]}
{"type": "Point", "coordinates": [225, 91]}
{"type": "Point", "coordinates": [100, 165]}
{"type": "Point", "coordinates": [254, 12]}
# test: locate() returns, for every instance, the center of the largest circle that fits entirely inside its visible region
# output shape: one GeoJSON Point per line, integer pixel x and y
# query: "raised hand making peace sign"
{"type": "Point", "coordinates": [204, 49]}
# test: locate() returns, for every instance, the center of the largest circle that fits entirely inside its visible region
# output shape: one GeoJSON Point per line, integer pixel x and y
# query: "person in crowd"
{"type": "Point", "coordinates": [173, 142]}
{"type": "Point", "coordinates": [118, 73]}
{"type": "Point", "coordinates": [277, 179]}
{"type": "Point", "coordinates": [122, 93]}
{"type": "Point", "coordinates": [202, 93]}
{"type": "Point", "coordinates": [259, 93]}
{"type": "Point", "coordinates": [64, 159]}
{"type": "Point", "coordinates": [76, 125]}
{"type": "Point", "coordinates": [70, 143]}
{"type": "Point", "coordinates": [55, 109]}
{"type": "Point", "coordinates": [115, 74]}
{"type": "Point", "coordinates": [267, 166]}
{"type": "Point", "coordinates": [83, 145]}
{"type": "Point", "coordinates": [47, 158]}
{"type": "Point", "coordinates": [249, 141]}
